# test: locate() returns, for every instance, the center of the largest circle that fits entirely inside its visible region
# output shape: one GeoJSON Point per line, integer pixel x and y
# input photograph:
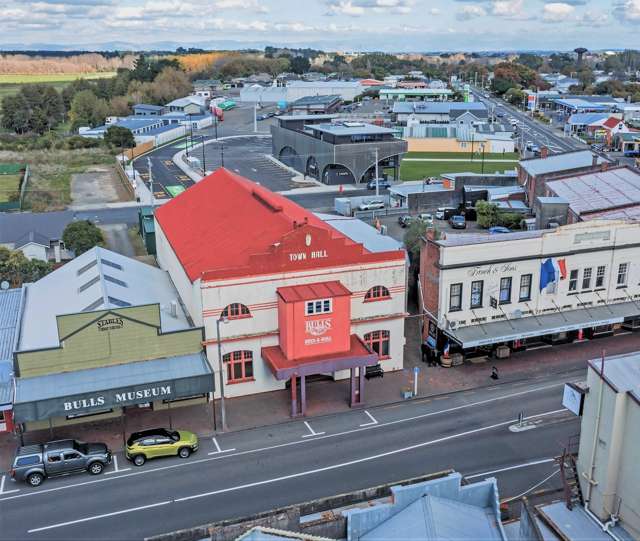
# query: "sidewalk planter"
{"type": "Point", "coordinates": [445, 361]}
{"type": "Point", "coordinates": [503, 352]}
{"type": "Point", "coordinates": [407, 393]}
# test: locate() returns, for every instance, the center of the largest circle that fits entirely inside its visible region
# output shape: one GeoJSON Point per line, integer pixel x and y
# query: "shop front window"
{"type": "Point", "coordinates": [239, 366]}
{"type": "Point", "coordinates": [378, 341]}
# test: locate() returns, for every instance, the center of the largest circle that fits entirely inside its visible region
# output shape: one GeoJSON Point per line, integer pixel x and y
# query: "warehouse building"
{"type": "Point", "coordinates": [481, 292]}
{"type": "Point", "coordinates": [336, 152]}
{"type": "Point", "coordinates": [347, 90]}
{"type": "Point", "coordinates": [102, 335]}
{"type": "Point", "coordinates": [282, 295]}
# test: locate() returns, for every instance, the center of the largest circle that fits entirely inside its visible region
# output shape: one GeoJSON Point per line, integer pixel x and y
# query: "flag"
{"type": "Point", "coordinates": [547, 273]}
{"type": "Point", "coordinates": [446, 350]}
{"type": "Point", "coordinates": [562, 266]}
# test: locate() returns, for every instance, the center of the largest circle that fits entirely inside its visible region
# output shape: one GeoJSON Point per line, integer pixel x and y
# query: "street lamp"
{"type": "Point", "coordinates": [223, 413]}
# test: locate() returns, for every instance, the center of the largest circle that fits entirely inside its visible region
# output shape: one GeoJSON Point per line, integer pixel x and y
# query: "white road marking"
{"type": "Point", "coordinates": [297, 442]}
{"type": "Point", "coordinates": [2, 484]}
{"type": "Point", "coordinates": [350, 462]}
{"type": "Point", "coordinates": [312, 431]}
{"type": "Point", "coordinates": [115, 466]}
{"type": "Point", "coordinates": [218, 449]}
{"type": "Point", "coordinates": [373, 421]}
{"type": "Point", "coordinates": [516, 467]}
{"type": "Point", "coordinates": [96, 517]}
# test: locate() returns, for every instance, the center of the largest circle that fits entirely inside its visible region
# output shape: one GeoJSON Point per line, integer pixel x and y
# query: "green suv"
{"type": "Point", "coordinates": [160, 442]}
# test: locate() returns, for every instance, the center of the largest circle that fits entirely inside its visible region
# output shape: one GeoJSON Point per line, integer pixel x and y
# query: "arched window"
{"type": "Point", "coordinates": [377, 293]}
{"type": "Point", "coordinates": [239, 366]}
{"type": "Point", "coordinates": [236, 311]}
{"type": "Point", "coordinates": [378, 341]}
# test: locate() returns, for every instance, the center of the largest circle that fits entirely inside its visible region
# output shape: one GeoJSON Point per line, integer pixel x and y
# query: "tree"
{"type": "Point", "coordinates": [169, 85]}
{"type": "Point", "coordinates": [119, 137]}
{"type": "Point", "coordinates": [412, 238]}
{"type": "Point", "coordinates": [17, 269]}
{"type": "Point", "coordinates": [15, 113]}
{"type": "Point", "coordinates": [119, 106]}
{"type": "Point", "coordinates": [487, 214]}
{"type": "Point", "coordinates": [532, 61]}
{"type": "Point", "coordinates": [87, 110]}
{"type": "Point", "coordinates": [81, 236]}
{"type": "Point", "coordinates": [514, 95]}
{"type": "Point", "coordinates": [300, 64]}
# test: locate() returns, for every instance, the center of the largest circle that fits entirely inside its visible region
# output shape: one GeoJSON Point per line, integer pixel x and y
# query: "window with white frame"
{"type": "Point", "coordinates": [320, 306]}
{"type": "Point", "coordinates": [600, 272]}
{"type": "Point", "coordinates": [573, 280]}
{"type": "Point", "coordinates": [586, 277]}
{"type": "Point", "coordinates": [476, 293]}
{"type": "Point", "coordinates": [505, 290]}
{"type": "Point", "coordinates": [623, 271]}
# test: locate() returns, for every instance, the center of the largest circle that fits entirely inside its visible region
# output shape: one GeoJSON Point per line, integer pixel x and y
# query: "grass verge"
{"type": "Point", "coordinates": [463, 155]}
{"type": "Point", "coordinates": [420, 170]}
{"type": "Point", "coordinates": [9, 186]}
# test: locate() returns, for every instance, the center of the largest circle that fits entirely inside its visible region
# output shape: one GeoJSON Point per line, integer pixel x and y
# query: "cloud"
{"type": "Point", "coordinates": [510, 9]}
{"type": "Point", "coordinates": [557, 12]}
{"type": "Point", "coordinates": [594, 19]}
{"type": "Point", "coordinates": [627, 11]}
{"type": "Point", "coordinates": [357, 8]}
{"type": "Point", "coordinates": [252, 5]}
{"type": "Point", "coordinates": [469, 12]}
{"type": "Point", "coordinates": [434, 11]}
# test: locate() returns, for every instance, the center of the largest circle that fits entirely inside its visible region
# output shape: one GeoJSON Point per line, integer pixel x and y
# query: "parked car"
{"type": "Point", "coordinates": [458, 222]}
{"type": "Point", "coordinates": [374, 204]}
{"type": "Point", "coordinates": [262, 117]}
{"type": "Point", "coordinates": [406, 219]}
{"type": "Point", "coordinates": [383, 184]}
{"type": "Point", "coordinates": [271, 114]}
{"type": "Point", "coordinates": [498, 229]}
{"type": "Point", "coordinates": [34, 463]}
{"type": "Point", "coordinates": [159, 442]}
{"type": "Point", "coordinates": [529, 145]}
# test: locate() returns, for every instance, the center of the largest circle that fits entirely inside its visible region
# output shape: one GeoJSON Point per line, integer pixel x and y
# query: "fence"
{"type": "Point", "coordinates": [124, 178]}
{"type": "Point", "coordinates": [132, 153]}
{"type": "Point", "coordinates": [14, 170]}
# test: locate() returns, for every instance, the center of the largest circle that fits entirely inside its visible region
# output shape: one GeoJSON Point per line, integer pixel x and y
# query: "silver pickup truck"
{"type": "Point", "coordinates": [33, 463]}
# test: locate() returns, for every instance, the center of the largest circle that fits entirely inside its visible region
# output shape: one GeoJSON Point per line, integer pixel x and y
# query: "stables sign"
{"type": "Point", "coordinates": [110, 324]}
{"type": "Point", "coordinates": [119, 398]}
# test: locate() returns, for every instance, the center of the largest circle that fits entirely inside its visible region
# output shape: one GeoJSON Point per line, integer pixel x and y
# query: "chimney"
{"type": "Point", "coordinates": [595, 160]}
{"type": "Point", "coordinates": [544, 152]}
{"type": "Point", "coordinates": [173, 309]}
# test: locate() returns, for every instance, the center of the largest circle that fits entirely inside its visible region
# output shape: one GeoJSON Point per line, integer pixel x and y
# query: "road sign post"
{"type": "Point", "coordinates": [416, 371]}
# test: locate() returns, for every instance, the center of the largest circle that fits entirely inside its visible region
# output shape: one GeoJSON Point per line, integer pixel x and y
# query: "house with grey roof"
{"type": "Point", "coordinates": [38, 235]}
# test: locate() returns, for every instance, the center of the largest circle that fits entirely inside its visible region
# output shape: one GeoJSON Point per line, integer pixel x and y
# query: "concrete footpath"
{"type": "Point", "coordinates": [328, 397]}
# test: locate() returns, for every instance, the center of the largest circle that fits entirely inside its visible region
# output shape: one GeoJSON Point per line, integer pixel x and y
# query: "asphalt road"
{"type": "Point", "coordinates": [530, 129]}
{"type": "Point", "coordinates": [250, 471]}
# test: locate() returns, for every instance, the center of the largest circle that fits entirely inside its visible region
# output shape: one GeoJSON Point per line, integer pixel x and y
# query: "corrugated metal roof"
{"type": "Point", "coordinates": [96, 280]}
{"type": "Point", "coordinates": [109, 377]}
{"type": "Point", "coordinates": [10, 302]}
{"type": "Point", "coordinates": [362, 233]}
{"type": "Point", "coordinates": [317, 290]}
{"type": "Point", "coordinates": [587, 118]}
{"type": "Point", "coordinates": [559, 162]}
{"type": "Point", "coordinates": [342, 129]}
{"type": "Point", "coordinates": [599, 191]}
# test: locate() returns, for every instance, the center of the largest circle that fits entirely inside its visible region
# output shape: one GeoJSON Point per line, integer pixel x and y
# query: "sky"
{"type": "Point", "coordinates": [344, 25]}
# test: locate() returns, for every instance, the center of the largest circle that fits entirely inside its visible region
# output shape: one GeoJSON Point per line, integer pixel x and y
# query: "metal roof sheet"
{"type": "Point", "coordinates": [621, 371]}
{"type": "Point", "coordinates": [599, 191]}
{"type": "Point", "coordinates": [10, 302]}
{"type": "Point", "coordinates": [109, 377]}
{"type": "Point", "coordinates": [96, 280]}
{"type": "Point", "coordinates": [341, 129]}
{"type": "Point", "coordinates": [317, 290]}
{"type": "Point", "coordinates": [559, 162]}
{"type": "Point", "coordinates": [361, 232]}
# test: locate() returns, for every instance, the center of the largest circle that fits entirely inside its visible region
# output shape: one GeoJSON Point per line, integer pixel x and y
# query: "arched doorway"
{"type": "Point", "coordinates": [312, 167]}
{"type": "Point", "coordinates": [337, 174]}
{"type": "Point", "coordinates": [291, 158]}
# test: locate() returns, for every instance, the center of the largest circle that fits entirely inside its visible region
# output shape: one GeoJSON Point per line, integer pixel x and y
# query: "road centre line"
{"type": "Point", "coordinates": [516, 467]}
{"type": "Point", "coordinates": [305, 473]}
{"type": "Point", "coordinates": [292, 443]}
{"type": "Point", "coordinates": [312, 431]}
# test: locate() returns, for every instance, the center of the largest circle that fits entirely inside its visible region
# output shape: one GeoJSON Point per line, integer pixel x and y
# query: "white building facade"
{"type": "Point", "coordinates": [517, 289]}
{"type": "Point", "coordinates": [309, 302]}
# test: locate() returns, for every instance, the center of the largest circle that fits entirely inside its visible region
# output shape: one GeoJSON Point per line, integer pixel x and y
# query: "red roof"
{"type": "Point", "coordinates": [283, 368]}
{"type": "Point", "coordinates": [319, 290]}
{"type": "Point", "coordinates": [612, 122]}
{"type": "Point", "coordinates": [227, 225]}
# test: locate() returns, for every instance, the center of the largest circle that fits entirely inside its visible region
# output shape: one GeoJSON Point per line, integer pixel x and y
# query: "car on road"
{"type": "Point", "coordinates": [159, 442]}
{"type": "Point", "coordinates": [271, 114]}
{"type": "Point", "coordinates": [498, 229]}
{"type": "Point", "coordinates": [262, 117]}
{"type": "Point", "coordinates": [500, 114]}
{"type": "Point", "coordinates": [34, 463]}
{"type": "Point", "coordinates": [383, 184]}
{"type": "Point", "coordinates": [458, 222]}
{"type": "Point", "coordinates": [513, 121]}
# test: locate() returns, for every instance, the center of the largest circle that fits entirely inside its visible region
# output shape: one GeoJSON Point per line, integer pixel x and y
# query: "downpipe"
{"type": "Point", "coordinates": [605, 526]}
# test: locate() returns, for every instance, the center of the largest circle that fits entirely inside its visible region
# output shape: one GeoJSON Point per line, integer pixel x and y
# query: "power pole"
{"type": "Point", "coordinates": [222, 153]}
{"type": "Point", "coordinates": [204, 161]}
{"type": "Point", "coordinates": [377, 179]}
{"type": "Point", "coordinates": [151, 185]}
{"type": "Point", "coordinates": [255, 118]}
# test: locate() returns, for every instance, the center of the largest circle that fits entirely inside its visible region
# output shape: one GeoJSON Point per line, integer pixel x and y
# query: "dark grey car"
{"type": "Point", "coordinates": [33, 463]}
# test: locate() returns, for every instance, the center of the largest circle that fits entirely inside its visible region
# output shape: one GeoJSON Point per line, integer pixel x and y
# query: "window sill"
{"type": "Point", "coordinates": [236, 381]}
{"type": "Point", "coordinates": [232, 318]}
{"type": "Point", "coordinates": [527, 299]}
{"type": "Point", "coordinates": [502, 303]}
{"type": "Point", "coordinates": [478, 307]}
{"type": "Point", "coordinates": [621, 287]}
{"type": "Point", "coordinates": [376, 299]}
{"type": "Point", "coordinates": [455, 310]}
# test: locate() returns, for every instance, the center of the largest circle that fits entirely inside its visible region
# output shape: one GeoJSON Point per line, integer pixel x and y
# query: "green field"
{"type": "Point", "coordinates": [420, 170]}
{"type": "Point", "coordinates": [9, 185]}
{"type": "Point", "coordinates": [10, 83]}
{"type": "Point", "coordinates": [462, 155]}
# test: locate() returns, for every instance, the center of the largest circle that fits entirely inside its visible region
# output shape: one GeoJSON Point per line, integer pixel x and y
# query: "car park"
{"type": "Point", "coordinates": [383, 184]}
{"type": "Point", "coordinates": [34, 463]}
{"type": "Point", "coordinates": [406, 219]}
{"type": "Point", "coordinates": [458, 222]}
{"type": "Point", "coordinates": [159, 442]}
{"type": "Point", "coordinates": [444, 213]}
{"type": "Point", "coordinates": [374, 204]}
